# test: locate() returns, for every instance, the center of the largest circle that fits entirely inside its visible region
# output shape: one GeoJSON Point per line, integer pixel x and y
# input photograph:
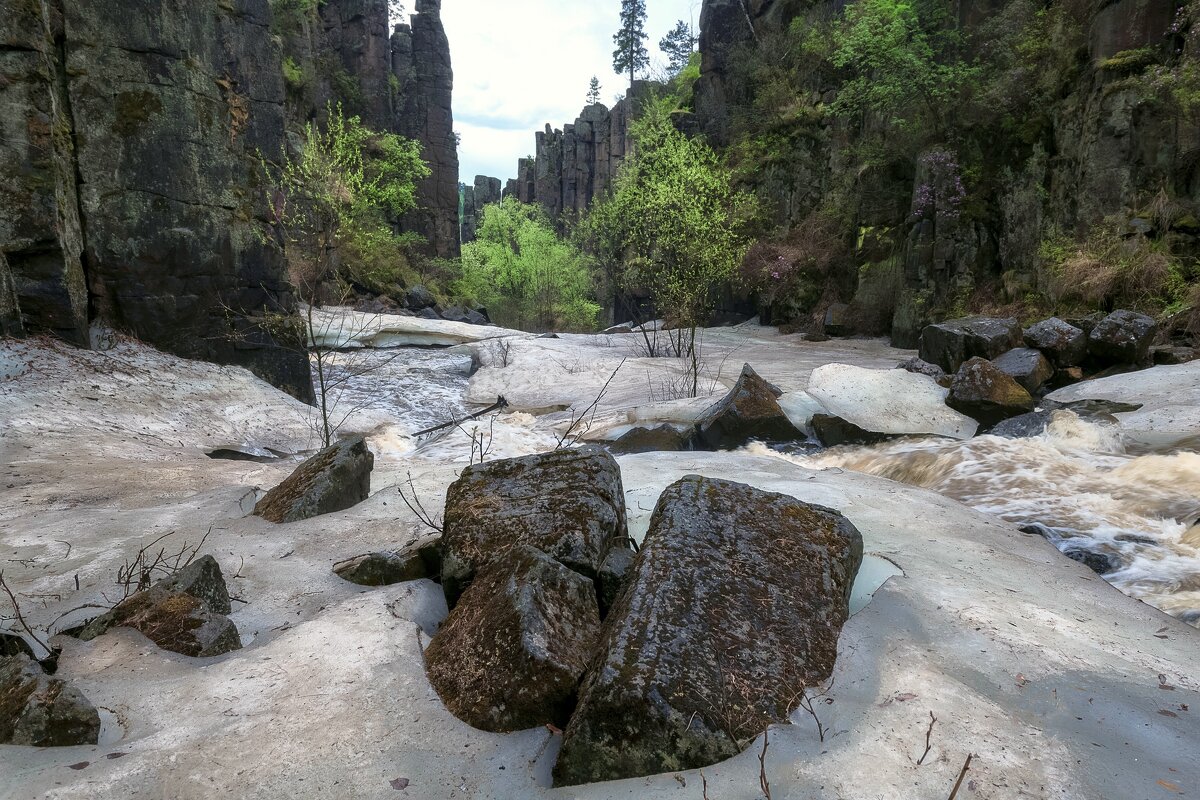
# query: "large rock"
{"type": "Point", "coordinates": [1123, 337]}
{"type": "Point", "coordinates": [512, 651]}
{"type": "Point", "coordinates": [1026, 366]}
{"type": "Point", "coordinates": [335, 479]}
{"type": "Point", "coordinates": [1061, 342]}
{"type": "Point", "coordinates": [949, 344]}
{"type": "Point", "coordinates": [981, 391]}
{"type": "Point", "coordinates": [750, 411]}
{"type": "Point", "coordinates": [734, 606]}
{"type": "Point", "coordinates": [203, 580]}
{"type": "Point", "coordinates": [891, 402]}
{"type": "Point", "coordinates": [422, 559]}
{"type": "Point", "coordinates": [662, 438]}
{"type": "Point", "coordinates": [567, 503]}
{"type": "Point", "coordinates": [174, 621]}
{"type": "Point", "coordinates": [915, 364]}
{"type": "Point", "coordinates": [39, 711]}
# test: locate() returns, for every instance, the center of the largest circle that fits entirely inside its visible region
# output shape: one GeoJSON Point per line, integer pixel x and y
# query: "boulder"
{"type": "Point", "coordinates": [418, 297]}
{"type": "Point", "coordinates": [877, 403]}
{"type": "Point", "coordinates": [981, 391]}
{"type": "Point", "coordinates": [335, 479]}
{"type": "Point", "coordinates": [460, 314]}
{"type": "Point", "coordinates": [174, 621]}
{"type": "Point", "coordinates": [1026, 366]}
{"type": "Point", "coordinates": [1061, 342]}
{"type": "Point", "coordinates": [1123, 337]}
{"type": "Point", "coordinates": [1086, 322]}
{"type": "Point", "coordinates": [734, 605]}
{"type": "Point", "coordinates": [916, 365]}
{"type": "Point", "coordinates": [1022, 427]}
{"type": "Point", "coordinates": [40, 711]}
{"type": "Point", "coordinates": [203, 580]}
{"type": "Point", "coordinates": [837, 320]}
{"type": "Point", "coordinates": [750, 411]}
{"type": "Point", "coordinates": [1169, 355]}
{"type": "Point", "coordinates": [511, 653]}
{"type": "Point", "coordinates": [428, 313]}
{"type": "Point", "coordinates": [569, 504]}
{"type": "Point", "coordinates": [949, 344]}
{"type": "Point", "coordinates": [1097, 562]}
{"type": "Point", "coordinates": [422, 559]}
{"type": "Point", "coordinates": [663, 438]}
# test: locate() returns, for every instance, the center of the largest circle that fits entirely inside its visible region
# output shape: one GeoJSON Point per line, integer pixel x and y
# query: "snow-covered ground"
{"type": "Point", "coordinates": [1061, 686]}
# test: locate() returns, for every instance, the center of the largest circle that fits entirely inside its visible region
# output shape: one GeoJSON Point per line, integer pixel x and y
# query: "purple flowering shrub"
{"type": "Point", "coordinates": [942, 194]}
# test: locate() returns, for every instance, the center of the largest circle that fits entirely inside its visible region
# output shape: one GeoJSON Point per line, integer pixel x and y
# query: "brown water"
{"type": "Point", "coordinates": [1080, 482]}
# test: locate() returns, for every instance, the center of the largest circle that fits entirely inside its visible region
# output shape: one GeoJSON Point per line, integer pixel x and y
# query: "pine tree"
{"type": "Point", "coordinates": [631, 54]}
{"type": "Point", "coordinates": [678, 46]}
{"type": "Point", "coordinates": [593, 95]}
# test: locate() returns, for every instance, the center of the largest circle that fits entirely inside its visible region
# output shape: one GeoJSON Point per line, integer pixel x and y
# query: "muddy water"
{"type": "Point", "coordinates": [1134, 514]}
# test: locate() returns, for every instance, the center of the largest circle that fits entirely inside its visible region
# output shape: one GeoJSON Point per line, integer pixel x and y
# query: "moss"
{"type": "Point", "coordinates": [133, 111]}
{"type": "Point", "coordinates": [1130, 61]}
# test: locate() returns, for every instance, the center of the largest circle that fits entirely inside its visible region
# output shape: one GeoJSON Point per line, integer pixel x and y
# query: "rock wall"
{"type": "Point", "coordinates": [129, 156]}
{"type": "Point", "coordinates": [484, 192]}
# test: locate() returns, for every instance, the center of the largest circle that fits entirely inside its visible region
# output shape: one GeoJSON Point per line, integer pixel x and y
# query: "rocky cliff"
{"type": "Point", "coordinates": [484, 192]}
{"type": "Point", "coordinates": [130, 141]}
{"type": "Point", "coordinates": [1062, 126]}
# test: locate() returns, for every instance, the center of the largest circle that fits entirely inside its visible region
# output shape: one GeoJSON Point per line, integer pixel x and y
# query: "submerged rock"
{"type": "Point", "coordinates": [40, 711]}
{"type": "Point", "coordinates": [1061, 342]}
{"type": "Point", "coordinates": [949, 344]}
{"type": "Point", "coordinates": [1026, 366]}
{"type": "Point", "coordinates": [751, 410]}
{"type": "Point", "coordinates": [422, 559]}
{"type": "Point", "coordinates": [981, 391]}
{"type": "Point", "coordinates": [1099, 563]}
{"type": "Point", "coordinates": [569, 504]}
{"type": "Point", "coordinates": [511, 653]}
{"type": "Point", "coordinates": [337, 478]}
{"type": "Point", "coordinates": [865, 405]}
{"type": "Point", "coordinates": [1123, 337]}
{"type": "Point", "coordinates": [1022, 427]}
{"type": "Point", "coordinates": [735, 604]}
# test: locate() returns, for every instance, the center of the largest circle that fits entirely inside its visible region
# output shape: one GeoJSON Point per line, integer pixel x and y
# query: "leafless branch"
{"type": "Point", "coordinates": [19, 617]}
{"type": "Point", "coordinates": [928, 739]}
{"type": "Point", "coordinates": [414, 505]}
{"type": "Point", "coordinates": [566, 439]}
{"type": "Point", "coordinates": [962, 774]}
{"type": "Point", "coordinates": [763, 783]}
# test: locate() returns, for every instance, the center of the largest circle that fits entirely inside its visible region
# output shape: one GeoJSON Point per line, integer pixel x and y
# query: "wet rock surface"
{"type": "Point", "coordinates": [751, 410]}
{"type": "Point", "coordinates": [982, 391]}
{"type": "Point", "coordinates": [1123, 337]}
{"type": "Point", "coordinates": [735, 603]}
{"type": "Point", "coordinates": [569, 504]}
{"type": "Point", "coordinates": [1026, 366]}
{"type": "Point", "coordinates": [949, 344]}
{"type": "Point", "coordinates": [39, 711]}
{"type": "Point", "coordinates": [511, 653]}
{"type": "Point", "coordinates": [1061, 342]}
{"type": "Point", "coordinates": [337, 478]}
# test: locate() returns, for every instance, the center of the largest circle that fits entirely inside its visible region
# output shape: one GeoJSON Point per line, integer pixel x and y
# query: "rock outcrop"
{"type": "Point", "coordinates": [512, 651]}
{"type": "Point", "coordinates": [569, 504]}
{"type": "Point", "coordinates": [734, 605]}
{"type": "Point", "coordinates": [485, 192]}
{"type": "Point", "coordinates": [39, 711]}
{"type": "Point", "coordinates": [337, 478]}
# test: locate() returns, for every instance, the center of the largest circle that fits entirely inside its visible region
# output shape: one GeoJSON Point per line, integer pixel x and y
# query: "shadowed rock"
{"type": "Point", "coordinates": [335, 479]}
{"type": "Point", "coordinates": [664, 438]}
{"type": "Point", "coordinates": [734, 605]}
{"type": "Point", "coordinates": [613, 577]}
{"type": "Point", "coordinates": [512, 651]}
{"type": "Point", "coordinates": [750, 411]}
{"type": "Point", "coordinates": [949, 344]}
{"type": "Point", "coordinates": [981, 391]}
{"type": "Point", "coordinates": [1123, 337]}
{"type": "Point", "coordinates": [422, 559]}
{"type": "Point", "coordinates": [569, 504]}
{"type": "Point", "coordinates": [915, 364]}
{"type": "Point", "coordinates": [1026, 366]}
{"type": "Point", "coordinates": [1061, 342]}
{"type": "Point", "coordinates": [40, 711]}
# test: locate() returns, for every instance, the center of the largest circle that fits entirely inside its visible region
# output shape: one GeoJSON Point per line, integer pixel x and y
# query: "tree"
{"type": "Point", "coordinates": [673, 225]}
{"type": "Point", "coordinates": [593, 95]}
{"type": "Point", "coordinates": [678, 46]}
{"type": "Point", "coordinates": [526, 275]}
{"type": "Point", "coordinates": [631, 55]}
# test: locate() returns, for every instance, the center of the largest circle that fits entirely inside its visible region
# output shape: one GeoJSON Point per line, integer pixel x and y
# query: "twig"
{"type": "Point", "coordinates": [499, 405]}
{"type": "Point", "coordinates": [703, 786]}
{"type": "Point", "coordinates": [928, 737]}
{"type": "Point", "coordinates": [592, 408]}
{"type": "Point", "coordinates": [806, 702]}
{"type": "Point", "coordinates": [20, 618]}
{"type": "Point", "coordinates": [415, 506]}
{"type": "Point", "coordinates": [962, 774]}
{"type": "Point", "coordinates": [763, 783]}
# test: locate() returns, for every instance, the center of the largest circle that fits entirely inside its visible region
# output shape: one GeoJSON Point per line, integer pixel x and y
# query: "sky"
{"type": "Point", "coordinates": [519, 64]}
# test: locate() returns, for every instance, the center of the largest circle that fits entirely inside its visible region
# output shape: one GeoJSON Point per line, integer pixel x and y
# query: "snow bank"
{"type": "Point", "coordinates": [892, 401]}
{"type": "Point", "coordinates": [343, 328]}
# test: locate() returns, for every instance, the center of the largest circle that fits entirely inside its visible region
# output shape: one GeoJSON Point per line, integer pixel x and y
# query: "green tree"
{"type": "Point", "coordinates": [631, 54]}
{"type": "Point", "coordinates": [673, 225]}
{"type": "Point", "coordinates": [678, 46]}
{"type": "Point", "coordinates": [593, 95]}
{"type": "Point", "coordinates": [528, 277]}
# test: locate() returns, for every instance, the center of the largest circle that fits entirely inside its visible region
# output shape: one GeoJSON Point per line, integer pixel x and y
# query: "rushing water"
{"type": "Point", "coordinates": [1133, 515]}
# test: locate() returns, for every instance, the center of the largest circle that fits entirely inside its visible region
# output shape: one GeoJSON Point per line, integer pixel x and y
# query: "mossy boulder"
{"type": "Point", "coordinates": [174, 621]}
{"type": "Point", "coordinates": [511, 653]}
{"type": "Point", "coordinates": [1026, 366]}
{"type": "Point", "coordinates": [985, 393]}
{"type": "Point", "coordinates": [337, 478]}
{"type": "Point", "coordinates": [421, 559]}
{"type": "Point", "coordinates": [40, 711]}
{"type": "Point", "coordinates": [751, 410]}
{"type": "Point", "coordinates": [734, 604]}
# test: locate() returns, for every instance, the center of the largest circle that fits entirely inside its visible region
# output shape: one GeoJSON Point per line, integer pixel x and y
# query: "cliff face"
{"type": "Point", "coordinates": [1102, 145]}
{"type": "Point", "coordinates": [128, 155]}
{"type": "Point", "coordinates": [129, 161]}
{"type": "Point", "coordinates": [484, 192]}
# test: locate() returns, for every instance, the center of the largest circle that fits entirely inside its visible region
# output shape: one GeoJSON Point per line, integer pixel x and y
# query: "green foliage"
{"type": "Point", "coordinates": [631, 55]}
{"type": "Point", "coordinates": [334, 204]}
{"type": "Point", "coordinates": [293, 74]}
{"type": "Point", "coordinates": [528, 277]}
{"type": "Point", "coordinates": [1131, 60]}
{"type": "Point", "coordinates": [289, 16]}
{"type": "Point", "coordinates": [673, 224]}
{"type": "Point", "coordinates": [678, 46]}
{"type": "Point", "coordinates": [593, 95]}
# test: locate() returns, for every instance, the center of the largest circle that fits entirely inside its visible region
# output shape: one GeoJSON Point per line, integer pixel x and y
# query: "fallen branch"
{"type": "Point", "coordinates": [962, 774]}
{"type": "Point", "coordinates": [499, 405]}
{"type": "Point", "coordinates": [763, 783]}
{"type": "Point", "coordinates": [928, 737]}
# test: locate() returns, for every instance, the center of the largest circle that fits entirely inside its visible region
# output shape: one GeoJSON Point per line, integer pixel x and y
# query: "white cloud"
{"type": "Point", "coordinates": [519, 64]}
